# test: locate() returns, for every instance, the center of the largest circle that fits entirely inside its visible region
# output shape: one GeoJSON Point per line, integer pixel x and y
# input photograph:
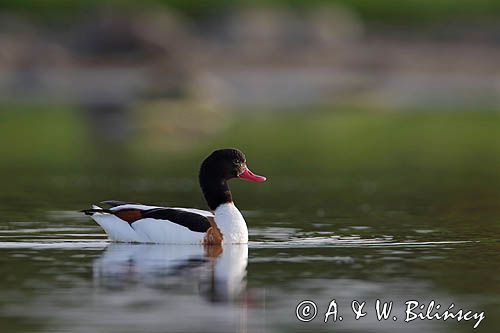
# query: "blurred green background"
{"type": "Point", "coordinates": [383, 11]}
{"type": "Point", "coordinates": [403, 95]}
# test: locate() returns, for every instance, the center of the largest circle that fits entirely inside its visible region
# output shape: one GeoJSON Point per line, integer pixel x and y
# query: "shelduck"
{"type": "Point", "coordinates": [132, 222]}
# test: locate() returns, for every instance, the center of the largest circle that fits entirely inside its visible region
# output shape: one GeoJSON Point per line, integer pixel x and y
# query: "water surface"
{"type": "Point", "coordinates": [59, 273]}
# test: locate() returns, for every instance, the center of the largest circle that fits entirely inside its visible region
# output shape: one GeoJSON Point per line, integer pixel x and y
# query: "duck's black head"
{"type": "Point", "coordinates": [217, 169]}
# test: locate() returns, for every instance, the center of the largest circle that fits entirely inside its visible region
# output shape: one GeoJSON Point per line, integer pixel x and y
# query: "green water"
{"type": "Point", "coordinates": [358, 206]}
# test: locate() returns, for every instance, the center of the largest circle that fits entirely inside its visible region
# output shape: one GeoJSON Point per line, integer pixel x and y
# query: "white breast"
{"type": "Point", "coordinates": [231, 224]}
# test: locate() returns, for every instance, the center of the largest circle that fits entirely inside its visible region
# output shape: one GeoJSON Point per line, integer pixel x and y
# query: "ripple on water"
{"type": "Point", "coordinates": [301, 259]}
{"type": "Point", "coordinates": [293, 238]}
{"type": "Point", "coordinates": [74, 236]}
{"type": "Point", "coordinates": [54, 244]}
{"type": "Point", "coordinates": [44, 234]}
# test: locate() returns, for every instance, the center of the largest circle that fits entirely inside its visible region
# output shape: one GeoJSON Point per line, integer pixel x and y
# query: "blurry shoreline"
{"type": "Point", "coordinates": [252, 58]}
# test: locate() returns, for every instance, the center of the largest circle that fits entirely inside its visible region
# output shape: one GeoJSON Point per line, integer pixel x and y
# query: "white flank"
{"type": "Point", "coordinates": [166, 232]}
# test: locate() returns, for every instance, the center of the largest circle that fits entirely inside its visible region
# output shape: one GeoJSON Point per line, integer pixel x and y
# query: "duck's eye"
{"type": "Point", "coordinates": [240, 167]}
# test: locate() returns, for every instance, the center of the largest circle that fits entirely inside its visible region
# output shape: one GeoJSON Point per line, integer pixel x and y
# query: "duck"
{"type": "Point", "coordinates": [132, 222]}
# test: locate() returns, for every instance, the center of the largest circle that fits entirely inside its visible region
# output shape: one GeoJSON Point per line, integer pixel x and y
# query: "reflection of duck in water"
{"type": "Point", "coordinates": [127, 222]}
{"type": "Point", "coordinates": [219, 271]}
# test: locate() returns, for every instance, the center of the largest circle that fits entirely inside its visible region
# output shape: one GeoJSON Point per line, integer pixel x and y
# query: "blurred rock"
{"type": "Point", "coordinates": [334, 25]}
{"type": "Point", "coordinates": [250, 57]}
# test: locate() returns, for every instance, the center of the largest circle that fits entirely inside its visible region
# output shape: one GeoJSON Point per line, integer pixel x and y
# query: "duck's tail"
{"type": "Point", "coordinates": [116, 228]}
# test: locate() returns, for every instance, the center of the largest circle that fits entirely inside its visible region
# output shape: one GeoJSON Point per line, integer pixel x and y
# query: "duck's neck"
{"type": "Point", "coordinates": [231, 224]}
{"type": "Point", "coordinates": [228, 218]}
{"type": "Point", "coordinates": [216, 192]}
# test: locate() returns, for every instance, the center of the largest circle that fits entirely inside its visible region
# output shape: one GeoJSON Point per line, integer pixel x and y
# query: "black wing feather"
{"type": "Point", "coordinates": [192, 221]}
